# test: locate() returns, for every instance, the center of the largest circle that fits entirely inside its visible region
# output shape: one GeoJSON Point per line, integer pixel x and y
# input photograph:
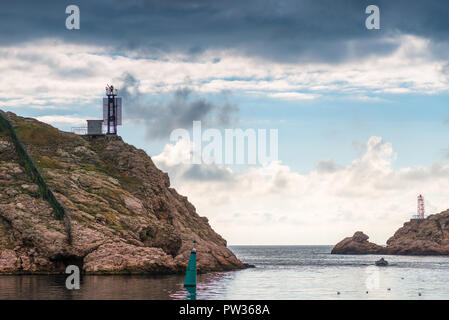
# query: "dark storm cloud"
{"type": "Point", "coordinates": [289, 30]}
{"type": "Point", "coordinates": [180, 111]}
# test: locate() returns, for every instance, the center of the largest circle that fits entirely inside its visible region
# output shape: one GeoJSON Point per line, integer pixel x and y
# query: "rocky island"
{"type": "Point", "coordinates": [96, 202]}
{"type": "Point", "coordinates": [428, 236]}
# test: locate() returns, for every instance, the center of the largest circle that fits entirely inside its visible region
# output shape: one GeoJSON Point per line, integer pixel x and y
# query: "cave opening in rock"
{"type": "Point", "coordinates": [61, 262]}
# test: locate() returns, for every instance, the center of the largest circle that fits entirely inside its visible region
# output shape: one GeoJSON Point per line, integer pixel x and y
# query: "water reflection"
{"type": "Point", "coordinates": [30, 287]}
{"type": "Point", "coordinates": [281, 273]}
{"type": "Point", "coordinates": [123, 287]}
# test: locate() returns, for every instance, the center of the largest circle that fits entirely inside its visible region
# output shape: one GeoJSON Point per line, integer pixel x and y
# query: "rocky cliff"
{"type": "Point", "coordinates": [121, 216]}
{"type": "Point", "coordinates": [429, 236]}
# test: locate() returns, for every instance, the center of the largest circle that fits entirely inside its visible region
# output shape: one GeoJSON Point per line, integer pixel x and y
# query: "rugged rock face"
{"type": "Point", "coordinates": [356, 244]}
{"type": "Point", "coordinates": [422, 237]}
{"type": "Point", "coordinates": [124, 216]}
{"type": "Point", "coordinates": [416, 237]}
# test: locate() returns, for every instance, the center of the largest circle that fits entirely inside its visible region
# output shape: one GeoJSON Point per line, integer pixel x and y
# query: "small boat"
{"type": "Point", "coordinates": [382, 262]}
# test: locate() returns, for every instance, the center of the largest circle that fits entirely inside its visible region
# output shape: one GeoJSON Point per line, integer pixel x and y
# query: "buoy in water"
{"type": "Point", "coordinates": [190, 279]}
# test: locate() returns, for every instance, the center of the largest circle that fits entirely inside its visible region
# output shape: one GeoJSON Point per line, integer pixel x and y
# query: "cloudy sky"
{"type": "Point", "coordinates": [361, 114]}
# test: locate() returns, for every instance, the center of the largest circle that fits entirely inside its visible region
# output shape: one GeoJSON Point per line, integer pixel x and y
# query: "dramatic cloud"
{"type": "Point", "coordinates": [52, 74]}
{"type": "Point", "coordinates": [286, 30]}
{"type": "Point", "coordinates": [180, 112]}
{"type": "Point", "coordinates": [322, 206]}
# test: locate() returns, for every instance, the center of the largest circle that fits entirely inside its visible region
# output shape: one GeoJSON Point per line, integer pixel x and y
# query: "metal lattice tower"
{"type": "Point", "coordinates": [112, 110]}
{"type": "Point", "coordinates": [420, 207]}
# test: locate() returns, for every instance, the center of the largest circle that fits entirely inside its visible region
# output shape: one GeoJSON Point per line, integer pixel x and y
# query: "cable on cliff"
{"type": "Point", "coordinates": [26, 161]}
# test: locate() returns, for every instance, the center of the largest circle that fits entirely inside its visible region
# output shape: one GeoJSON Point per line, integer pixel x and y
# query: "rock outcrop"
{"type": "Point", "coordinates": [429, 236]}
{"type": "Point", "coordinates": [356, 244]}
{"type": "Point", "coordinates": [124, 216]}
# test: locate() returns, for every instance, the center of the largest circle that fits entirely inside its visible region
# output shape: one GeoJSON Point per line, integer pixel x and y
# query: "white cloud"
{"type": "Point", "coordinates": [176, 158]}
{"type": "Point", "coordinates": [56, 120]}
{"type": "Point", "coordinates": [272, 204]}
{"type": "Point", "coordinates": [54, 74]}
{"type": "Point", "coordinates": [293, 96]}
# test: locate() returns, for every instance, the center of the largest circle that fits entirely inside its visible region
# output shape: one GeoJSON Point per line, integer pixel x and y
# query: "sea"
{"type": "Point", "coordinates": [281, 272]}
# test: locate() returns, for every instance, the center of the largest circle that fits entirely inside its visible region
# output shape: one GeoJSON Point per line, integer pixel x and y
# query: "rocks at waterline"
{"type": "Point", "coordinates": [356, 244]}
{"type": "Point", "coordinates": [428, 236]}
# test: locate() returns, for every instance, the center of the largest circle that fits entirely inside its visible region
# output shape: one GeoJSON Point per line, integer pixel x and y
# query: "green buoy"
{"type": "Point", "coordinates": [190, 279]}
{"type": "Point", "coordinates": [191, 293]}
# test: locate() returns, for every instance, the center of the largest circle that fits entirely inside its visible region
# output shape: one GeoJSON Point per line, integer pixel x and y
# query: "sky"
{"type": "Point", "coordinates": [360, 114]}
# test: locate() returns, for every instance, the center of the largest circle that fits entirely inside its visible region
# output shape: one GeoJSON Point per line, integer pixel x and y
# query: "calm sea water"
{"type": "Point", "coordinates": [282, 272]}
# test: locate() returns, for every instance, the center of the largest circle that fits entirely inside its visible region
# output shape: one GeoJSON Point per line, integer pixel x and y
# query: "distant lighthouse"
{"type": "Point", "coordinates": [420, 207]}
{"type": "Point", "coordinates": [421, 211]}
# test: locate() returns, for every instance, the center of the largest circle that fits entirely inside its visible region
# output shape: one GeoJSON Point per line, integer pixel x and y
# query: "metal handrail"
{"type": "Point", "coordinates": [84, 131]}
{"type": "Point", "coordinates": [79, 130]}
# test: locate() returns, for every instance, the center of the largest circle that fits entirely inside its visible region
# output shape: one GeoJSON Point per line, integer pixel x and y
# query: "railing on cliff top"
{"type": "Point", "coordinates": [27, 162]}
{"type": "Point", "coordinates": [83, 131]}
